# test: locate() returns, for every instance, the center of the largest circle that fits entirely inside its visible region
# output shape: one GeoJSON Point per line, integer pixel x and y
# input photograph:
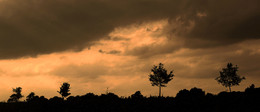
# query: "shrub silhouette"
{"type": "Point", "coordinates": [183, 93]}
{"type": "Point", "coordinates": [159, 77]}
{"type": "Point", "coordinates": [137, 95]}
{"type": "Point", "coordinates": [250, 89]}
{"type": "Point", "coordinates": [197, 92]}
{"type": "Point", "coordinates": [31, 97]}
{"type": "Point", "coordinates": [109, 96]}
{"type": "Point", "coordinates": [56, 100]}
{"type": "Point", "coordinates": [193, 93]}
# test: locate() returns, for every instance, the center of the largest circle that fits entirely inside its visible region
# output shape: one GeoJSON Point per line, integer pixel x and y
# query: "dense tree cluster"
{"type": "Point", "coordinates": [193, 100]}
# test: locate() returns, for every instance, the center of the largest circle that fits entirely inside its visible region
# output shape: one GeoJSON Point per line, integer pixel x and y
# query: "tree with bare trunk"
{"type": "Point", "coordinates": [159, 77]}
{"type": "Point", "coordinates": [229, 77]}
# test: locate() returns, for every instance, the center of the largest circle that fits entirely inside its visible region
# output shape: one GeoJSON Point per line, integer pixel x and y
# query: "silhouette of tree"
{"type": "Point", "coordinates": [109, 96]}
{"type": "Point", "coordinates": [64, 90]}
{"type": "Point", "coordinates": [159, 77]}
{"type": "Point", "coordinates": [250, 89]}
{"type": "Point", "coordinates": [229, 77]}
{"type": "Point", "coordinates": [56, 100]}
{"type": "Point", "coordinates": [30, 97]}
{"type": "Point", "coordinates": [137, 95]}
{"type": "Point", "coordinates": [192, 95]}
{"type": "Point", "coordinates": [183, 93]}
{"type": "Point", "coordinates": [16, 96]}
{"type": "Point", "coordinates": [197, 92]}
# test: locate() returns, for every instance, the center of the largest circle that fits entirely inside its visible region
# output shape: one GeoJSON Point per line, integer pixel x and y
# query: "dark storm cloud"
{"type": "Point", "coordinates": [226, 22]}
{"type": "Point", "coordinates": [151, 50]}
{"type": "Point", "coordinates": [28, 28]}
{"type": "Point", "coordinates": [32, 27]}
{"type": "Point", "coordinates": [207, 24]}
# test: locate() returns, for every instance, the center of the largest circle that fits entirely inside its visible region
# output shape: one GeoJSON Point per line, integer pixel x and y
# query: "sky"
{"type": "Point", "coordinates": [100, 45]}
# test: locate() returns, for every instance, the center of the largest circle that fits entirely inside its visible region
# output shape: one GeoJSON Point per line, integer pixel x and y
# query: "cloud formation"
{"type": "Point", "coordinates": [92, 71]}
{"type": "Point", "coordinates": [29, 28]}
{"type": "Point", "coordinates": [110, 52]}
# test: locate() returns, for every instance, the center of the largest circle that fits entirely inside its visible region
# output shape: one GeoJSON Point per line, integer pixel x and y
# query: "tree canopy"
{"type": "Point", "coordinates": [159, 76]}
{"type": "Point", "coordinates": [64, 90]}
{"type": "Point", "coordinates": [229, 77]}
{"type": "Point", "coordinates": [16, 96]}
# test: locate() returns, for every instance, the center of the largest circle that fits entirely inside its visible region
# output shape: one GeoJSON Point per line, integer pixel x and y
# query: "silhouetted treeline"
{"type": "Point", "coordinates": [193, 100]}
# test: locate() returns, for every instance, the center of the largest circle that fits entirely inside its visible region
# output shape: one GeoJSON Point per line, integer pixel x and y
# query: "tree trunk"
{"type": "Point", "coordinates": [229, 88]}
{"type": "Point", "coordinates": [159, 90]}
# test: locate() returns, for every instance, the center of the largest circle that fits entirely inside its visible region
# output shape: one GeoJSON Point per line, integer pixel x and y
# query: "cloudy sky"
{"type": "Point", "coordinates": [100, 44]}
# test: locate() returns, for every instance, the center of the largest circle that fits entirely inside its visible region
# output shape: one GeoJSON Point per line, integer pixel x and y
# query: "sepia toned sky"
{"type": "Point", "coordinates": [100, 44]}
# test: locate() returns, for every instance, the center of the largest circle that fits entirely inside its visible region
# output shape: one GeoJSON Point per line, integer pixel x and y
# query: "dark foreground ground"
{"type": "Point", "coordinates": [194, 100]}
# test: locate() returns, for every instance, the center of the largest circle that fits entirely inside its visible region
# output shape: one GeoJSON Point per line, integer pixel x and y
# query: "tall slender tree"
{"type": "Point", "coordinates": [229, 77]}
{"type": "Point", "coordinates": [159, 77]}
{"type": "Point", "coordinates": [64, 90]}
